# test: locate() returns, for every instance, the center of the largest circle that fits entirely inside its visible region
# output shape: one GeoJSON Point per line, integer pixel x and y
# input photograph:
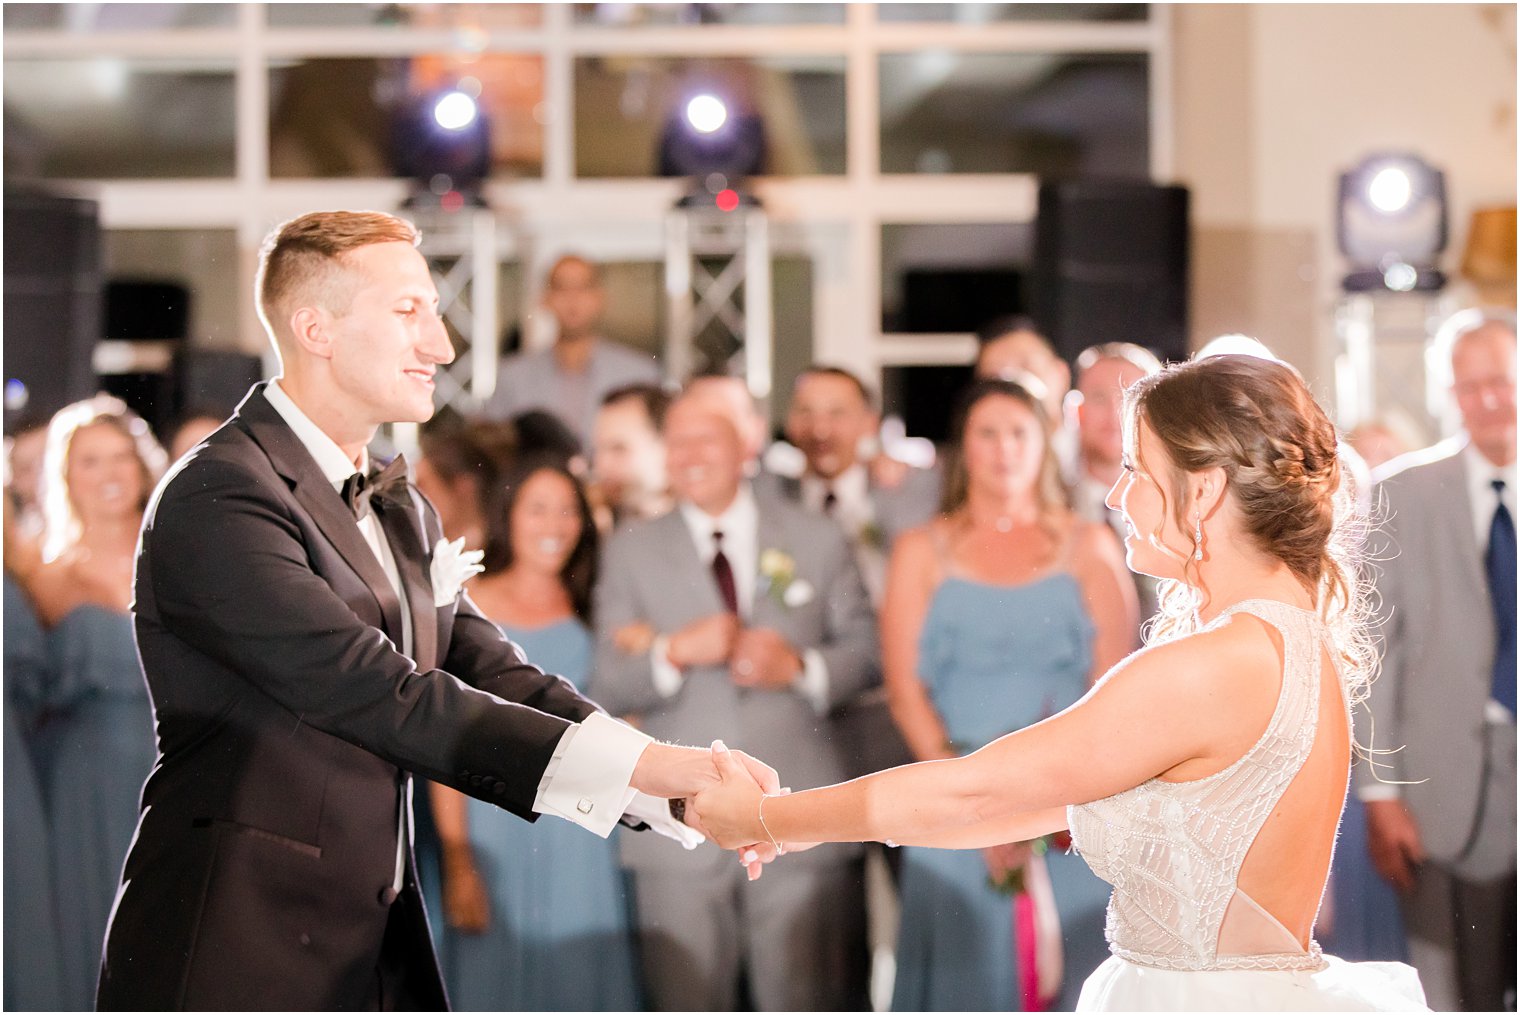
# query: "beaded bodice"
{"type": "Point", "coordinates": [1173, 850]}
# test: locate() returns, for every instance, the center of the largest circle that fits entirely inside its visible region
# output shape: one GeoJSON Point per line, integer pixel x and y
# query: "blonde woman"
{"type": "Point", "coordinates": [97, 747]}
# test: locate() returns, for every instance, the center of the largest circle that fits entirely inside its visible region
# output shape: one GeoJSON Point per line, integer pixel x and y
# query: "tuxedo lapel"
{"type": "Point", "coordinates": [1458, 514]}
{"type": "Point", "coordinates": [403, 529]}
{"type": "Point", "coordinates": [326, 508]}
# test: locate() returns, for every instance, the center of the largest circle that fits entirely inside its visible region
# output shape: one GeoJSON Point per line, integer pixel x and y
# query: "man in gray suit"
{"type": "Point", "coordinates": [1441, 827]}
{"type": "Point", "coordinates": [571, 377]}
{"type": "Point", "coordinates": [833, 421]}
{"type": "Point", "coordinates": [755, 624]}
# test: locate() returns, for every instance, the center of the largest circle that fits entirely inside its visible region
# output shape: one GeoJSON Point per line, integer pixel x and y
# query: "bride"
{"type": "Point", "coordinates": [1203, 776]}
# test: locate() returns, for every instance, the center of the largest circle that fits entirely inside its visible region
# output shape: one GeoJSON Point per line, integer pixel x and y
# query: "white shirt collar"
{"type": "Point", "coordinates": [739, 517]}
{"type": "Point", "coordinates": [335, 465]}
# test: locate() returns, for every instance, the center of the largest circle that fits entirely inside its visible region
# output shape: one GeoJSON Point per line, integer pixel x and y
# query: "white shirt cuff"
{"type": "Point", "coordinates": [655, 812]}
{"type": "Point", "coordinates": [813, 681]}
{"type": "Point", "coordinates": [1377, 791]}
{"type": "Point", "coordinates": [666, 676]}
{"type": "Point", "coordinates": [586, 781]}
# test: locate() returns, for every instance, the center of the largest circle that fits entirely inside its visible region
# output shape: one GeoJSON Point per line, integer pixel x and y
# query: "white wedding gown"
{"type": "Point", "coordinates": [1184, 936]}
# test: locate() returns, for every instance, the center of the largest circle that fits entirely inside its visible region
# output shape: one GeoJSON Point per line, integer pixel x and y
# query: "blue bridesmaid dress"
{"type": "Point", "coordinates": [31, 927]}
{"type": "Point", "coordinates": [994, 659]}
{"type": "Point", "coordinates": [560, 936]}
{"type": "Point", "coordinates": [101, 747]}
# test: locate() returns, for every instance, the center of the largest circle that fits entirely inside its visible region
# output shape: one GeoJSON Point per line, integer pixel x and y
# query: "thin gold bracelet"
{"type": "Point", "coordinates": [780, 849]}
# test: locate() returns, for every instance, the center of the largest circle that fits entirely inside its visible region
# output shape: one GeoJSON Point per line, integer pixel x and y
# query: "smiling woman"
{"type": "Point", "coordinates": [100, 466]}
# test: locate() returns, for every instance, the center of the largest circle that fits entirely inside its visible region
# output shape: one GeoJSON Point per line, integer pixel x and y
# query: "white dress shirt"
{"type": "Point", "coordinates": [740, 525]}
{"type": "Point", "coordinates": [586, 781]}
{"type": "Point", "coordinates": [855, 512]}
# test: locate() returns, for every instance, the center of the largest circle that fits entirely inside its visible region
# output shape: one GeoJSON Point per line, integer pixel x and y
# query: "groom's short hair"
{"type": "Point", "coordinates": [302, 259]}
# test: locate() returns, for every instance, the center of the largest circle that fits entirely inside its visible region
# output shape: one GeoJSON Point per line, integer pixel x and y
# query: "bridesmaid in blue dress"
{"type": "Point", "coordinates": [31, 927]}
{"type": "Point", "coordinates": [98, 745]}
{"type": "Point", "coordinates": [999, 613]}
{"type": "Point", "coordinates": [537, 915]}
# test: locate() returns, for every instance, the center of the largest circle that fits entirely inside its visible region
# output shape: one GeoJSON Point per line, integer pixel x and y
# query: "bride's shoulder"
{"type": "Point", "coordinates": [1200, 664]}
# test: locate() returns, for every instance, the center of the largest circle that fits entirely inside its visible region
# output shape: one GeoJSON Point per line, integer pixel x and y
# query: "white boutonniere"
{"type": "Point", "coordinates": [452, 567]}
{"type": "Point", "coordinates": [779, 572]}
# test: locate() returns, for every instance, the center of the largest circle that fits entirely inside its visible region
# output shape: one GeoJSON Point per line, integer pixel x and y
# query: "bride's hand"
{"type": "Point", "coordinates": [729, 813]}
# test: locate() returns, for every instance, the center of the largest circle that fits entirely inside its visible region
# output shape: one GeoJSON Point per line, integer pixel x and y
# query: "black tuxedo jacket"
{"type": "Point", "coordinates": [262, 869]}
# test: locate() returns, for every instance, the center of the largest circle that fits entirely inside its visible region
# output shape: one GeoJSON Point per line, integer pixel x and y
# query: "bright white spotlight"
{"type": "Point", "coordinates": [706, 113]}
{"type": "Point", "coordinates": [454, 111]}
{"type": "Point", "coordinates": [1390, 190]}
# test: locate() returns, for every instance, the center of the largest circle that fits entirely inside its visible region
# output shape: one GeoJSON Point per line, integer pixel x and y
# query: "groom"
{"type": "Point", "coordinates": [307, 649]}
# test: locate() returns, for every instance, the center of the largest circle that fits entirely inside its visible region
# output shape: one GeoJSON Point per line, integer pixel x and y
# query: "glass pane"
{"type": "Point", "coordinates": [117, 17]}
{"type": "Point", "coordinates": [978, 14]}
{"type": "Point", "coordinates": [109, 118]}
{"type": "Point", "coordinates": [455, 16]}
{"type": "Point", "coordinates": [922, 397]}
{"type": "Point", "coordinates": [367, 117]}
{"type": "Point", "coordinates": [951, 278]}
{"type": "Point", "coordinates": [627, 113]}
{"type": "Point", "coordinates": [637, 15]}
{"type": "Point", "coordinates": [1053, 114]}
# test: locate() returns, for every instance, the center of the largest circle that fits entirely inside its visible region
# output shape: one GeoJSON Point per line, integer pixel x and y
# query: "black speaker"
{"type": "Point", "coordinates": [1111, 265]}
{"type": "Point", "coordinates": [215, 381]}
{"type": "Point", "coordinates": [52, 301]}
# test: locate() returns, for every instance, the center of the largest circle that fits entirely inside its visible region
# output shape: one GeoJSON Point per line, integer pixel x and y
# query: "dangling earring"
{"type": "Point", "coordinates": [1198, 536]}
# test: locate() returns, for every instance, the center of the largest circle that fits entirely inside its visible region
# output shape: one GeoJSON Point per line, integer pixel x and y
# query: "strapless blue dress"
{"type": "Point", "coordinates": [31, 926]}
{"type": "Point", "coordinates": [100, 749]}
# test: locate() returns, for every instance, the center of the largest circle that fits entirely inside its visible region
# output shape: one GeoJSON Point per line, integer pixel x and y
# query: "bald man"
{"type": "Point", "coordinates": [762, 628]}
{"type": "Point", "coordinates": [571, 377]}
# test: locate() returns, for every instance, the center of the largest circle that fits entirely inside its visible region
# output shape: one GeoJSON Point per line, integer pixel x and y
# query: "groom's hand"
{"type": "Point", "coordinates": [665, 770]}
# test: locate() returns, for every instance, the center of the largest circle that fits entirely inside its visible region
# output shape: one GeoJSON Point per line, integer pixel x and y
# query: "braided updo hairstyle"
{"type": "Point", "coordinates": [1256, 420]}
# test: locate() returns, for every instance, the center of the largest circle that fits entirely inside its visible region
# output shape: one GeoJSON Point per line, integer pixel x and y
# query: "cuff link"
{"type": "Point", "coordinates": [584, 806]}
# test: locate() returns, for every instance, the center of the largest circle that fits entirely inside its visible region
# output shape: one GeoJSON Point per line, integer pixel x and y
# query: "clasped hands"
{"type": "Point", "coordinates": [757, 657]}
{"type": "Point", "coordinates": [724, 790]}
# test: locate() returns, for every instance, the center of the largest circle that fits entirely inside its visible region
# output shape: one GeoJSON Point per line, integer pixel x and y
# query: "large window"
{"type": "Point", "coordinates": [903, 143]}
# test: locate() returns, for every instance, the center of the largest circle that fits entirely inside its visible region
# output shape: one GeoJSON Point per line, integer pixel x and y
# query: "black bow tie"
{"type": "Point", "coordinates": [387, 484]}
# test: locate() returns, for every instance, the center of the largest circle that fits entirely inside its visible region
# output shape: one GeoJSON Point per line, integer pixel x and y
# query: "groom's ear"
{"type": "Point", "coordinates": [311, 330]}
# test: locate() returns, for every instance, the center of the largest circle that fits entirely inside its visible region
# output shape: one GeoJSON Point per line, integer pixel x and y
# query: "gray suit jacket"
{"type": "Point", "coordinates": [1438, 647]}
{"type": "Point", "coordinates": [906, 506]}
{"type": "Point", "coordinates": [531, 380]}
{"type": "Point", "coordinates": [652, 573]}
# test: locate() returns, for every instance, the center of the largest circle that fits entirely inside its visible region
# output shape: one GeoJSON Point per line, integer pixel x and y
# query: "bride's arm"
{"type": "Point", "coordinates": [1160, 708]}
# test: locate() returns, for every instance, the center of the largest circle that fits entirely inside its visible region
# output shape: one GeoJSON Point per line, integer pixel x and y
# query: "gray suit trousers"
{"type": "Point", "coordinates": [797, 935]}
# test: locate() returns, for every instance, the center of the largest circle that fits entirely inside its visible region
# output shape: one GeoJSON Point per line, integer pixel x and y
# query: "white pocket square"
{"type": "Point", "coordinates": [798, 593]}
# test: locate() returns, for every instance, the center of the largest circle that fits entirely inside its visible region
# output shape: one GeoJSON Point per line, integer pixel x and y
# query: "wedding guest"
{"type": "Point", "coordinates": [999, 613]}
{"type": "Point", "coordinates": [100, 467]}
{"type": "Point", "coordinates": [461, 461]}
{"type": "Point", "coordinates": [730, 394]}
{"type": "Point", "coordinates": [25, 444]}
{"type": "Point", "coordinates": [1440, 804]}
{"type": "Point", "coordinates": [31, 938]}
{"type": "Point", "coordinates": [628, 455]}
{"type": "Point", "coordinates": [1103, 373]}
{"type": "Point", "coordinates": [757, 627]}
{"type": "Point", "coordinates": [571, 377]}
{"type": "Point", "coordinates": [536, 918]}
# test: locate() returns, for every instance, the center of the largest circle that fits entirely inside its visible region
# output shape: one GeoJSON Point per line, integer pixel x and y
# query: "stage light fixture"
{"type": "Point", "coordinates": [1391, 223]}
{"type": "Point", "coordinates": [717, 146]}
{"type": "Point", "coordinates": [441, 140]}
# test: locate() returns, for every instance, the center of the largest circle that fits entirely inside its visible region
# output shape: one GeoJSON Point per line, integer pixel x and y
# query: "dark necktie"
{"type": "Point", "coordinates": [1501, 589]}
{"type": "Point", "coordinates": [830, 502]}
{"type": "Point", "coordinates": [387, 484]}
{"type": "Point", "coordinates": [723, 574]}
